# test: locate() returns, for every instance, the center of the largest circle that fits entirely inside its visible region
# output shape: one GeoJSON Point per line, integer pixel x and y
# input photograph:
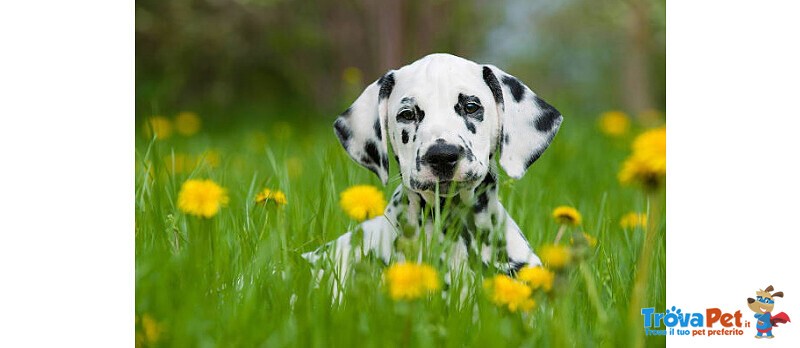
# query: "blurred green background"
{"type": "Point", "coordinates": [267, 60]}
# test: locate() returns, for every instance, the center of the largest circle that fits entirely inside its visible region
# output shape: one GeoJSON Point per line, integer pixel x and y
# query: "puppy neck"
{"type": "Point", "coordinates": [475, 208]}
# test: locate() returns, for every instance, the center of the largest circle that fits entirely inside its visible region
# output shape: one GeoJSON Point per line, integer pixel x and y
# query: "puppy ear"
{"type": "Point", "coordinates": [527, 123]}
{"type": "Point", "coordinates": [778, 294]}
{"type": "Point", "coordinates": [769, 289]}
{"type": "Point", "coordinates": [362, 127]}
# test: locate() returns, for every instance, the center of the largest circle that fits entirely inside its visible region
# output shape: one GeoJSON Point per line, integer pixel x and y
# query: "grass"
{"type": "Point", "coordinates": [237, 279]}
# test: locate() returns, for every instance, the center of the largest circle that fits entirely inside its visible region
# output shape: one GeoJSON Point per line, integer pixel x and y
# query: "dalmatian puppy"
{"type": "Point", "coordinates": [445, 118]}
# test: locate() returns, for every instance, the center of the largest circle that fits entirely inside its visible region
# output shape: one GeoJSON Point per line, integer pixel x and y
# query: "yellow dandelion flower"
{"type": "Point", "coordinates": [614, 123]}
{"type": "Point", "coordinates": [159, 125]}
{"type": "Point", "coordinates": [202, 198]}
{"type": "Point", "coordinates": [537, 277]}
{"type": "Point", "coordinates": [651, 146]}
{"type": "Point", "coordinates": [633, 220]}
{"type": "Point", "coordinates": [637, 169]}
{"type": "Point", "coordinates": [151, 328]}
{"type": "Point", "coordinates": [276, 196]}
{"type": "Point", "coordinates": [648, 163]}
{"type": "Point", "coordinates": [187, 123]}
{"type": "Point", "coordinates": [555, 256]}
{"type": "Point", "coordinates": [362, 202]}
{"type": "Point", "coordinates": [507, 292]}
{"type": "Point", "coordinates": [408, 281]}
{"type": "Point", "coordinates": [567, 215]}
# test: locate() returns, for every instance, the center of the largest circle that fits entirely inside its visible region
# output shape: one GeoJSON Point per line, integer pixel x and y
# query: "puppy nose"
{"type": "Point", "coordinates": [443, 154]}
{"type": "Point", "coordinates": [750, 300]}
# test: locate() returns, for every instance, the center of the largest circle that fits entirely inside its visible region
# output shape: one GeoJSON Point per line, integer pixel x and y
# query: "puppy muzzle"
{"type": "Point", "coordinates": [443, 159]}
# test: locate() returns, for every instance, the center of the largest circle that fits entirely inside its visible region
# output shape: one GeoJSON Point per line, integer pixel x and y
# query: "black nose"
{"type": "Point", "coordinates": [750, 300]}
{"type": "Point", "coordinates": [442, 158]}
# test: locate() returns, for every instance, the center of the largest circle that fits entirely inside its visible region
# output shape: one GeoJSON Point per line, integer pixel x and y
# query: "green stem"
{"type": "Point", "coordinates": [594, 296]}
{"type": "Point", "coordinates": [560, 233]}
{"type": "Point", "coordinates": [643, 271]}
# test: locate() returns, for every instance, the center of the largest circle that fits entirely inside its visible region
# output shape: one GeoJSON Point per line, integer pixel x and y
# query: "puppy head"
{"type": "Point", "coordinates": [445, 117]}
{"type": "Point", "coordinates": [764, 301]}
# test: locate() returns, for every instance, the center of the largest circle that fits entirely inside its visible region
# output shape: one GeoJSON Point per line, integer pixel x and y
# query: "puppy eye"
{"type": "Point", "coordinates": [406, 115]}
{"type": "Point", "coordinates": [472, 108]}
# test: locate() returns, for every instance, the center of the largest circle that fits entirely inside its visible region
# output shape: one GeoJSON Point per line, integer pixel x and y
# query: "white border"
{"type": "Point", "coordinates": [67, 223]}
{"type": "Point", "coordinates": [733, 70]}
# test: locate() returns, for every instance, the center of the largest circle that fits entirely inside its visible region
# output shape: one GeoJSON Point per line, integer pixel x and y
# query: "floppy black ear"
{"type": "Point", "coordinates": [528, 123]}
{"type": "Point", "coordinates": [362, 127]}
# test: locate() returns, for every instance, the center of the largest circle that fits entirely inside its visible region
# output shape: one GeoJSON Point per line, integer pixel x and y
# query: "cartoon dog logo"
{"type": "Point", "coordinates": [763, 305]}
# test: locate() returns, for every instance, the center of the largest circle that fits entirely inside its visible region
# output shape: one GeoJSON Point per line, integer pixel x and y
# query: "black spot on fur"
{"type": "Point", "coordinates": [404, 136]}
{"type": "Point", "coordinates": [506, 138]}
{"type": "Point", "coordinates": [533, 157]}
{"type": "Point", "coordinates": [548, 117]}
{"type": "Point", "coordinates": [342, 131]}
{"type": "Point", "coordinates": [385, 163]}
{"type": "Point", "coordinates": [387, 85]}
{"type": "Point", "coordinates": [471, 176]}
{"type": "Point", "coordinates": [347, 112]}
{"type": "Point", "coordinates": [470, 126]}
{"type": "Point", "coordinates": [377, 128]}
{"type": "Point", "coordinates": [422, 186]}
{"type": "Point", "coordinates": [419, 161]}
{"type": "Point", "coordinates": [470, 156]}
{"type": "Point", "coordinates": [372, 151]}
{"type": "Point", "coordinates": [515, 267]}
{"type": "Point", "coordinates": [420, 113]}
{"type": "Point", "coordinates": [490, 180]}
{"type": "Point", "coordinates": [467, 236]}
{"type": "Point", "coordinates": [372, 167]}
{"type": "Point", "coordinates": [397, 159]}
{"type": "Point", "coordinates": [516, 87]}
{"type": "Point", "coordinates": [482, 202]}
{"type": "Point", "coordinates": [494, 85]}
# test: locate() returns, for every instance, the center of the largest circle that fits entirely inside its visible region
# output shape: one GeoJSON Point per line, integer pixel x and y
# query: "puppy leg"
{"type": "Point", "coordinates": [374, 236]}
{"type": "Point", "coordinates": [519, 250]}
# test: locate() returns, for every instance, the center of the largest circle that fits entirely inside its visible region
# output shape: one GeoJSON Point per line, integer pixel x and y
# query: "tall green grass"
{"type": "Point", "coordinates": [237, 279]}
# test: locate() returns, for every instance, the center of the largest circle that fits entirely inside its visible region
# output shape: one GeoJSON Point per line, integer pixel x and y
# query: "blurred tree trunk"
{"type": "Point", "coordinates": [389, 15]}
{"type": "Point", "coordinates": [637, 95]}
